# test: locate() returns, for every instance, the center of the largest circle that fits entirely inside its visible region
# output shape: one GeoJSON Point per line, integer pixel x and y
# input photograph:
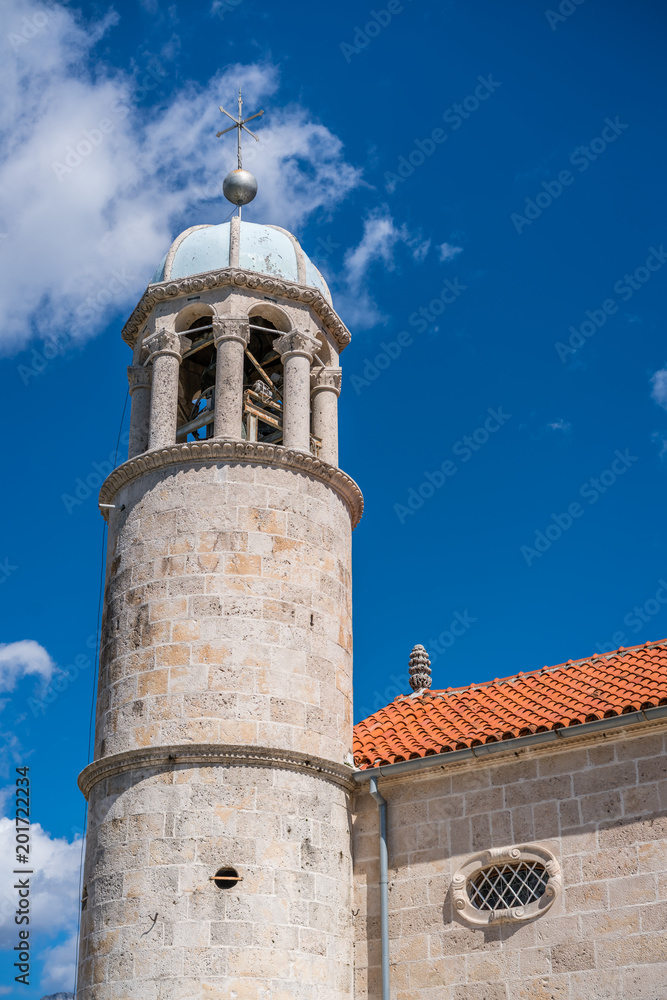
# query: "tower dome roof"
{"type": "Point", "coordinates": [266, 249]}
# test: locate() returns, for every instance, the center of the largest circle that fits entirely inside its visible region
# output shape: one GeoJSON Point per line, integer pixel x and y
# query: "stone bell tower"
{"type": "Point", "coordinates": [218, 859]}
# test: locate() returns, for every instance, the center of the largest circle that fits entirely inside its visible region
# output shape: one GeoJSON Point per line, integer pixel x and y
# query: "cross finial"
{"type": "Point", "coordinates": [240, 125]}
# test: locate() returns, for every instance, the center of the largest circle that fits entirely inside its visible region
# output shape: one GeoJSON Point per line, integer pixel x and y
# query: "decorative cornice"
{"type": "Point", "coordinates": [241, 279]}
{"type": "Point", "coordinates": [210, 753]}
{"type": "Point", "coordinates": [225, 450]}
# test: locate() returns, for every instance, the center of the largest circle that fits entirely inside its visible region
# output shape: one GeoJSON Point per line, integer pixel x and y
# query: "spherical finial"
{"type": "Point", "coordinates": [420, 669]}
{"type": "Point", "coordinates": [239, 187]}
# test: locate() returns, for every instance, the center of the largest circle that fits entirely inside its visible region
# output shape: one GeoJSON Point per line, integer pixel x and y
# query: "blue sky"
{"type": "Point", "coordinates": [482, 185]}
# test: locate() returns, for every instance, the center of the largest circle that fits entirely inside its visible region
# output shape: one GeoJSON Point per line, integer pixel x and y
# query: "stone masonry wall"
{"type": "Point", "coordinates": [228, 613]}
{"type": "Point", "coordinates": [601, 809]}
{"type": "Point", "coordinates": [154, 926]}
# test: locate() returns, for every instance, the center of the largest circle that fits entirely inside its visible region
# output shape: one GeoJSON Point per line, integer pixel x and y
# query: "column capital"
{"type": "Point", "coordinates": [231, 328]}
{"type": "Point", "coordinates": [138, 377]}
{"type": "Point", "coordinates": [296, 344]}
{"type": "Point", "coordinates": [163, 342]}
{"type": "Point", "coordinates": [325, 379]}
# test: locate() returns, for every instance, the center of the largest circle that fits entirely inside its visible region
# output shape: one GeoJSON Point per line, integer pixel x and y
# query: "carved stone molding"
{"type": "Point", "coordinates": [163, 342]}
{"type": "Point", "coordinates": [138, 377]}
{"type": "Point", "coordinates": [225, 450]}
{"type": "Point", "coordinates": [500, 856]}
{"type": "Point", "coordinates": [295, 344]}
{"type": "Point", "coordinates": [312, 297]}
{"type": "Point", "coordinates": [326, 378]}
{"type": "Point", "coordinates": [228, 328]}
{"type": "Point", "coordinates": [208, 753]}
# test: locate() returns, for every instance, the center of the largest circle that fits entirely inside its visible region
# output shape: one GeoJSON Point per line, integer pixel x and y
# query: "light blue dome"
{"type": "Point", "coordinates": [265, 249]}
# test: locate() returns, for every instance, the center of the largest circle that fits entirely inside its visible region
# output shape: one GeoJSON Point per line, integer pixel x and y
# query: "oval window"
{"type": "Point", "coordinates": [508, 883]}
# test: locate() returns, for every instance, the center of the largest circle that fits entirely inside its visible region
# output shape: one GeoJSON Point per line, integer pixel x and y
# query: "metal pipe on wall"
{"type": "Point", "coordinates": [384, 886]}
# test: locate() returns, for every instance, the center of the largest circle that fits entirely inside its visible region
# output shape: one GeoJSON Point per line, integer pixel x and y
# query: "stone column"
{"type": "Point", "coordinates": [165, 354]}
{"type": "Point", "coordinates": [325, 390]}
{"type": "Point", "coordinates": [140, 391]}
{"type": "Point", "coordinates": [231, 337]}
{"type": "Point", "coordinates": [296, 351]}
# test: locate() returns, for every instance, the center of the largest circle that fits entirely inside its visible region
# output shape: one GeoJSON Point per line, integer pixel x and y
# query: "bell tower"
{"type": "Point", "coordinates": [218, 861]}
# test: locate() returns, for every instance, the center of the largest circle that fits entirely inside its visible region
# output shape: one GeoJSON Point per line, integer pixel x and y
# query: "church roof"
{"type": "Point", "coordinates": [433, 722]}
{"type": "Point", "coordinates": [265, 249]}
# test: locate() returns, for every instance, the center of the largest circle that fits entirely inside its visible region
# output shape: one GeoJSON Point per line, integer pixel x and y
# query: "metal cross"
{"type": "Point", "coordinates": [240, 124]}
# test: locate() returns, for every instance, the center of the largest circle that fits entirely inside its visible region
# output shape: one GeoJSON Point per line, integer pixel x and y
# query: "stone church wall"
{"type": "Point", "coordinates": [600, 808]}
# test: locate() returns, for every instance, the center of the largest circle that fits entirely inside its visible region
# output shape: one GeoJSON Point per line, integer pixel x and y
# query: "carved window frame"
{"type": "Point", "coordinates": [499, 856]}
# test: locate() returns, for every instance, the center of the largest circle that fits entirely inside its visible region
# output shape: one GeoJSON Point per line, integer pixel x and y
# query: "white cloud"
{"type": "Point", "coordinates": [54, 884]}
{"type": "Point", "coordinates": [447, 251]}
{"type": "Point", "coordinates": [94, 184]}
{"type": "Point", "coordinates": [59, 965]}
{"type": "Point", "coordinates": [21, 659]}
{"type": "Point", "coordinates": [659, 387]}
{"type": "Point", "coordinates": [560, 425]}
{"type": "Point", "coordinates": [378, 244]}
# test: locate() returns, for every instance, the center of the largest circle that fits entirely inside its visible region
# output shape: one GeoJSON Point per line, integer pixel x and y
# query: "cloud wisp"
{"type": "Point", "coordinates": [22, 659]}
{"type": "Point", "coordinates": [379, 242]}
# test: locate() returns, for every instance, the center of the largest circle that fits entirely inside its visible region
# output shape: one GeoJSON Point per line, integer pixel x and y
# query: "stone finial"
{"type": "Point", "coordinates": [420, 669]}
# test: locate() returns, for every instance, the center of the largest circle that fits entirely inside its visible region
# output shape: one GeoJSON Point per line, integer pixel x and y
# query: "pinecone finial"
{"type": "Point", "coordinates": [420, 669]}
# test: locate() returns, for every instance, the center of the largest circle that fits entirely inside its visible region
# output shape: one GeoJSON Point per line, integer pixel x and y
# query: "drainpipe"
{"type": "Point", "coordinates": [384, 889]}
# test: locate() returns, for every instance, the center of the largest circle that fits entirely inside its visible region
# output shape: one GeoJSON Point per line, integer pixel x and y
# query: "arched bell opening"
{"type": "Point", "coordinates": [263, 380]}
{"type": "Point", "coordinates": [196, 389]}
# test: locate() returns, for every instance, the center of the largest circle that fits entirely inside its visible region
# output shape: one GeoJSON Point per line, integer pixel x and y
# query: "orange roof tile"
{"type": "Point", "coordinates": [569, 694]}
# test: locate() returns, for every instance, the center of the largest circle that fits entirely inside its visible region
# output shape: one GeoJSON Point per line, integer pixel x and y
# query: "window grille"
{"type": "Point", "coordinates": [502, 887]}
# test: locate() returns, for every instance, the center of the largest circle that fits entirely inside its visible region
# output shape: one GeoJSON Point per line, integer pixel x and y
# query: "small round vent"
{"type": "Point", "coordinates": [226, 878]}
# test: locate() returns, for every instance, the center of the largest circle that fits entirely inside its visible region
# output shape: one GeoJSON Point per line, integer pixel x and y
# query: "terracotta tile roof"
{"type": "Point", "coordinates": [571, 693]}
